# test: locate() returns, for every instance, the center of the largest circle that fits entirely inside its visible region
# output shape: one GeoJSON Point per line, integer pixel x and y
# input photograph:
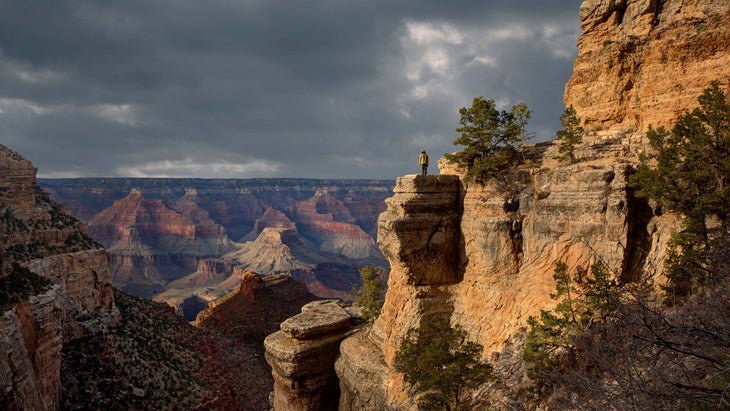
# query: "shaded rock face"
{"type": "Point", "coordinates": [43, 237]}
{"type": "Point", "coordinates": [256, 307]}
{"type": "Point", "coordinates": [302, 356]}
{"type": "Point", "coordinates": [644, 62]}
{"type": "Point", "coordinates": [31, 342]}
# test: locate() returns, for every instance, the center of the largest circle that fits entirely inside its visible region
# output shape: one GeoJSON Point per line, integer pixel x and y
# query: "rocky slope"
{"type": "Point", "coordinates": [55, 286]}
{"type": "Point", "coordinates": [256, 307]}
{"type": "Point", "coordinates": [155, 360]}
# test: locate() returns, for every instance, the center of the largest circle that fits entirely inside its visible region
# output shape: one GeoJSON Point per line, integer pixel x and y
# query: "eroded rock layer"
{"type": "Point", "coordinates": [493, 268]}
{"type": "Point", "coordinates": [302, 356]}
{"type": "Point", "coordinates": [56, 286]}
{"type": "Point", "coordinates": [644, 62]}
{"type": "Point", "coordinates": [160, 231]}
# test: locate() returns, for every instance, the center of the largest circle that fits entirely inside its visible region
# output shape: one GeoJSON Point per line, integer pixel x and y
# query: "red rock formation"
{"type": "Point", "coordinates": [329, 224]}
{"type": "Point", "coordinates": [152, 244]}
{"type": "Point", "coordinates": [335, 234]}
{"type": "Point", "coordinates": [271, 218]}
{"type": "Point", "coordinates": [256, 307]}
{"type": "Point", "coordinates": [32, 336]}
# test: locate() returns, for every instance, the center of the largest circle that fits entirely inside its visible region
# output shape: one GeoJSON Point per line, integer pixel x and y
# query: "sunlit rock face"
{"type": "Point", "coordinates": [640, 63]}
{"type": "Point", "coordinates": [43, 237]}
{"type": "Point", "coordinates": [644, 62]}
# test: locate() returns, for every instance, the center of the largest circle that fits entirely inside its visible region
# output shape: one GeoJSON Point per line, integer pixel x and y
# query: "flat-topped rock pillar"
{"type": "Point", "coordinates": [420, 231]}
{"type": "Point", "coordinates": [302, 357]}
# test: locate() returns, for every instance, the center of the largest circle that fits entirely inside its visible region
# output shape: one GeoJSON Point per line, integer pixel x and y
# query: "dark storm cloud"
{"type": "Point", "coordinates": [240, 88]}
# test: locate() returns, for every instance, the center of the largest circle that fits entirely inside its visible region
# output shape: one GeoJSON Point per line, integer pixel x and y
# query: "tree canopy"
{"type": "Point", "coordinates": [441, 364]}
{"type": "Point", "coordinates": [371, 295]}
{"type": "Point", "coordinates": [688, 172]}
{"type": "Point", "coordinates": [493, 138]}
{"type": "Point", "coordinates": [570, 135]}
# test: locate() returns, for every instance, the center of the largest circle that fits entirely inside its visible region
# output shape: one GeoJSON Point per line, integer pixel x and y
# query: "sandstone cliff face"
{"type": "Point", "coordinates": [487, 260]}
{"type": "Point", "coordinates": [32, 337]}
{"type": "Point", "coordinates": [640, 63]}
{"type": "Point", "coordinates": [41, 236]}
{"type": "Point", "coordinates": [644, 62]}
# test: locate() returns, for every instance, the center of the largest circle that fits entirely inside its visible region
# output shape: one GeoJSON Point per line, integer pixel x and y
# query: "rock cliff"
{"type": "Point", "coordinates": [256, 307]}
{"type": "Point", "coordinates": [486, 257]}
{"type": "Point", "coordinates": [644, 62]}
{"type": "Point", "coordinates": [40, 239]}
{"type": "Point", "coordinates": [302, 355]}
{"type": "Point", "coordinates": [487, 260]}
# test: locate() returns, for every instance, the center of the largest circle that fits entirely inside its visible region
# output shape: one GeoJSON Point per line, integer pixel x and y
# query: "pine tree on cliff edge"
{"type": "Point", "coordinates": [493, 138]}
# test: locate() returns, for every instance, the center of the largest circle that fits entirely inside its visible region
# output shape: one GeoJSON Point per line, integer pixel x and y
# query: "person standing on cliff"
{"type": "Point", "coordinates": [423, 162]}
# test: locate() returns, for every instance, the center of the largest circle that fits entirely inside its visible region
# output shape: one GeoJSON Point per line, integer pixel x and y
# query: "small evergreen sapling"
{"type": "Point", "coordinates": [371, 294]}
{"type": "Point", "coordinates": [571, 134]}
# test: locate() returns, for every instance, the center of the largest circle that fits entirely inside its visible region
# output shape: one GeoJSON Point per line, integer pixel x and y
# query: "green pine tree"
{"type": "Point", "coordinates": [441, 364]}
{"type": "Point", "coordinates": [688, 172]}
{"type": "Point", "coordinates": [371, 295]}
{"type": "Point", "coordinates": [571, 134]}
{"type": "Point", "coordinates": [551, 337]}
{"type": "Point", "coordinates": [491, 138]}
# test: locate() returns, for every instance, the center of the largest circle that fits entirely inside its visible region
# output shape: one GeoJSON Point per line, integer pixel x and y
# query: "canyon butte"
{"type": "Point", "coordinates": [459, 249]}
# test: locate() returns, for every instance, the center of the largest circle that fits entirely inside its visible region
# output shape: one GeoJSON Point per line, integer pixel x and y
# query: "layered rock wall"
{"type": "Point", "coordinates": [42, 237]}
{"type": "Point", "coordinates": [160, 230]}
{"type": "Point", "coordinates": [31, 336]}
{"type": "Point", "coordinates": [420, 234]}
{"type": "Point", "coordinates": [644, 62]}
{"type": "Point", "coordinates": [302, 356]}
{"type": "Point", "coordinates": [487, 259]}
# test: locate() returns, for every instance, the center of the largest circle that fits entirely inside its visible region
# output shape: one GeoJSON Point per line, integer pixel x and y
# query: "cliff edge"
{"type": "Point", "coordinates": [640, 63]}
{"type": "Point", "coordinates": [43, 245]}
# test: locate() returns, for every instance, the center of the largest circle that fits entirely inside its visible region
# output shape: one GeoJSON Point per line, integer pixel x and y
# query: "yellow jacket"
{"type": "Point", "coordinates": [423, 159]}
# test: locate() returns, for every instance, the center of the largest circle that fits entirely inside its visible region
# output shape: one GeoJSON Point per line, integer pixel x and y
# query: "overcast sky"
{"type": "Point", "coordinates": [269, 88]}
